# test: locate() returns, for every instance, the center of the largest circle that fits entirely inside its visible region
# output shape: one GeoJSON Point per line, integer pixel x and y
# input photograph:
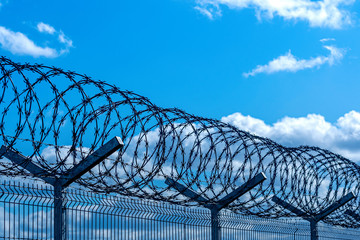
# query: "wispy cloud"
{"type": "Point", "coordinates": [61, 37]}
{"type": "Point", "coordinates": [342, 137]}
{"type": "Point", "coordinates": [290, 63]}
{"type": "Point", "coordinates": [45, 28]}
{"type": "Point", "coordinates": [210, 11]}
{"type": "Point", "coordinates": [327, 40]}
{"type": "Point", "coordinates": [19, 43]}
{"type": "Point", "coordinates": [323, 13]}
{"type": "Point", "coordinates": [205, 12]}
{"type": "Point", "coordinates": [65, 40]}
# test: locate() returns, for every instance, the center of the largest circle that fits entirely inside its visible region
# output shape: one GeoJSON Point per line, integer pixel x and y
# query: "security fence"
{"type": "Point", "coordinates": [26, 212]}
{"type": "Point", "coordinates": [148, 172]}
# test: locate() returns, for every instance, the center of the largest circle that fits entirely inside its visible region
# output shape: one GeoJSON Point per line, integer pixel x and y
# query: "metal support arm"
{"type": "Point", "coordinates": [60, 183]}
{"type": "Point", "coordinates": [186, 192]}
{"type": "Point", "coordinates": [72, 174]}
{"type": "Point", "coordinates": [225, 201]}
{"type": "Point", "coordinates": [27, 164]}
{"type": "Point", "coordinates": [319, 216]}
{"type": "Point", "coordinates": [289, 207]}
{"type": "Point", "coordinates": [91, 161]}
{"type": "Point", "coordinates": [222, 203]}
{"type": "Point", "coordinates": [253, 182]}
{"type": "Point", "coordinates": [314, 219]}
{"type": "Point", "coordinates": [341, 202]}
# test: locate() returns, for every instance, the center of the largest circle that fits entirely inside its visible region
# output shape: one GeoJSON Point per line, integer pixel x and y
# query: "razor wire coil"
{"type": "Point", "coordinates": [58, 117]}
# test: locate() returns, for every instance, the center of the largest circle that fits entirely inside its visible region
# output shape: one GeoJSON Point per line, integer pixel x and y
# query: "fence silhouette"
{"type": "Point", "coordinates": [181, 176]}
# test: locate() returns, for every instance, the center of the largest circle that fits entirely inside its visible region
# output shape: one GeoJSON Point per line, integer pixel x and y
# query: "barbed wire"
{"type": "Point", "coordinates": [57, 118]}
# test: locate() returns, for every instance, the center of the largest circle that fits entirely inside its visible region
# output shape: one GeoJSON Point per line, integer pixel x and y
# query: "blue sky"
{"type": "Point", "coordinates": [287, 70]}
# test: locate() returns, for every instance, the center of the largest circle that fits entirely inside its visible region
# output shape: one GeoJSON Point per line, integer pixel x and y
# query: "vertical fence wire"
{"type": "Point", "coordinates": [26, 212]}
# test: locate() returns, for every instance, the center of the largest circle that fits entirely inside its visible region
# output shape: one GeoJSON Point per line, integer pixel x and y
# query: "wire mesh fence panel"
{"type": "Point", "coordinates": [99, 216]}
{"type": "Point", "coordinates": [26, 212]}
{"type": "Point", "coordinates": [235, 226]}
{"type": "Point", "coordinates": [334, 232]}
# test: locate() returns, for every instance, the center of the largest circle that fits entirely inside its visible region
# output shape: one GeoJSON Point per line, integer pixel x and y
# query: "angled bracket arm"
{"type": "Point", "coordinates": [225, 201]}
{"type": "Point", "coordinates": [27, 164]}
{"type": "Point", "coordinates": [216, 207]}
{"type": "Point", "coordinates": [320, 216]}
{"type": "Point", "coordinates": [314, 219]}
{"type": "Point", "coordinates": [341, 202]}
{"type": "Point", "coordinates": [91, 161]}
{"type": "Point", "coordinates": [353, 215]}
{"type": "Point", "coordinates": [66, 179]}
{"type": "Point", "coordinates": [289, 207]}
{"type": "Point", "coordinates": [244, 188]}
{"type": "Point", "coordinates": [186, 192]}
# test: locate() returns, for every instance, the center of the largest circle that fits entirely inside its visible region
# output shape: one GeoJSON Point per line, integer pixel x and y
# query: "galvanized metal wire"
{"type": "Point", "coordinates": [58, 117]}
{"type": "Point", "coordinates": [26, 212]}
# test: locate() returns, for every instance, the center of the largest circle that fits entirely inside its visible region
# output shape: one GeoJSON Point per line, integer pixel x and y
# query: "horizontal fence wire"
{"type": "Point", "coordinates": [26, 212]}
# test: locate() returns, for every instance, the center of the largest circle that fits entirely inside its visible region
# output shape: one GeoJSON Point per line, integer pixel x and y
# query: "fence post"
{"type": "Point", "coordinates": [59, 223]}
{"type": "Point", "coordinates": [62, 182]}
{"type": "Point", "coordinates": [314, 230]}
{"type": "Point", "coordinates": [220, 204]}
{"type": "Point", "coordinates": [315, 218]}
{"type": "Point", "coordinates": [215, 224]}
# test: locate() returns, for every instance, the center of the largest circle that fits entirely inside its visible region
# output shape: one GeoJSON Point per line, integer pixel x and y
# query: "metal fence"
{"type": "Point", "coordinates": [26, 212]}
{"type": "Point", "coordinates": [57, 125]}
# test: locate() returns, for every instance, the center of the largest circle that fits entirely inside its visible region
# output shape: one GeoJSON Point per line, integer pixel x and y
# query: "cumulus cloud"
{"type": "Point", "coordinates": [290, 63]}
{"type": "Point", "coordinates": [46, 28]}
{"type": "Point", "coordinates": [342, 137]}
{"type": "Point", "coordinates": [19, 43]}
{"type": "Point", "coordinates": [323, 13]}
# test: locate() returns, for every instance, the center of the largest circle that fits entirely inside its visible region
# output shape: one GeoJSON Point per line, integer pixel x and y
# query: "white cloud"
{"type": "Point", "coordinates": [325, 13]}
{"type": "Point", "coordinates": [342, 137]}
{"type": "Point", "coordinates": [210, 11]}
{"type": "Point", "coordinates": [205, 12]}
{"type": "Point", "coordinates": [46, 28]}
{"type": "Point", "coordinates": [61, 37]}
{"type": "Point", "coordinates": [327, 39]}
{"type": "Point", "coordinates": [65, 40]}
{"type": "Point", "coordinates": [290, 63]}
{"type": "Point", "coordinates": [18, 43]}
